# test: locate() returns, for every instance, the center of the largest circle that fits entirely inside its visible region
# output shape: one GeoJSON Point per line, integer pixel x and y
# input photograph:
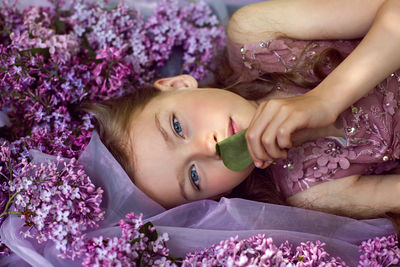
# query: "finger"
{"type": "Point", "coordinates": [256, 149]}
{"type": "Point", "coordinates": [254, 132]}
{"type": "Point", "coordinates": [265, 164]}
{"type": "Point", "coordinates": [269, 137]}
{"type": "Point", "coordinates": [287, 128]}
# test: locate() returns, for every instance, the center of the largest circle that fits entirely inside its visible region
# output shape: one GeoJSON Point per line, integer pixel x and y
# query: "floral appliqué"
{"type": "Point", "coordinates": [390, 103]}
{"type": "Point", "coordinates": [330, 155]}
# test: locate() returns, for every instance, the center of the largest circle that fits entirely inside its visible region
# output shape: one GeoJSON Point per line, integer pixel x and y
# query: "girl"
{"type": "Point", "coordinates": [327, 156]}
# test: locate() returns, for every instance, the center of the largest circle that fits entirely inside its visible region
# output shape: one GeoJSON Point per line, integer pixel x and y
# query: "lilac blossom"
{"type": "Point", "coordinates": [10, 19]}
{"type": "Point", "coordinates": [38, 34]}
{"type": "Point", "coordinates": [119, 28]}
{"type": "Point", "coordinates": [193, 27]}
{"type": "Point", "coordinates": [139, 244]}
{"type": "Point", "coordinates": [57, 200]}
{"type": "Point", "coordinates": [261, 251]}
{"type": "Point", "coordinates": [380, 251]}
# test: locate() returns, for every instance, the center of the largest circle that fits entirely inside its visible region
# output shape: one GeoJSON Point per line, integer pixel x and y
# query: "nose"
{"type": "Point", "coordinates": [205, 145]}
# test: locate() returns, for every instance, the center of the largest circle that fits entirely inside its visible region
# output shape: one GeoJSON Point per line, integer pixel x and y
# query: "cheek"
{"type": "Point", "coordinates": [225, 181]}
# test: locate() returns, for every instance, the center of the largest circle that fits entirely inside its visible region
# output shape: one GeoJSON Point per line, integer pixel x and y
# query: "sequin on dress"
{"type": "Point", "coordinates": [371, 125]}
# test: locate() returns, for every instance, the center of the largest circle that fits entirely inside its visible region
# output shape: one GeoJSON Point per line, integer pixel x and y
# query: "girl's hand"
{"type": "Point", "coordinates": [271, 128]}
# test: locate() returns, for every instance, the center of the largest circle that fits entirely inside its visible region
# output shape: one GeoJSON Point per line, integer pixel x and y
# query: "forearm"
{"type": "Point", "coordinates": [376, 195]}
{"type": "Point", "coordinates": [303, 19]}
{"type": "Point", "coordinates": [374, 59]}
{"type": "Point", "coordinates": [355, 196]}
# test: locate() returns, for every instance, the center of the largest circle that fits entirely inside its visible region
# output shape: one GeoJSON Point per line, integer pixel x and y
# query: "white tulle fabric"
{"type": "Point", "coordinates": [193, 226]}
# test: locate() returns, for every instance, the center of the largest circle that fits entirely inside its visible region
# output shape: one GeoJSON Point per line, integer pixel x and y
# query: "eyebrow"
{"type": "Point", "coordinates": [180, 178]}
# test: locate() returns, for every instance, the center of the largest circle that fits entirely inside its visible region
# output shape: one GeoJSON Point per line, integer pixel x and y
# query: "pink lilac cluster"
{"type": "Point", "coordinates": [260, 250]}
{"type": "Point", "coordinates": [120, 28]}
{"type": "Point", "coordinates": [57, 201]}
{"type": "Point", "coordinates": [42, 98]}
{"type": "Point", "coordinates": [10, 19]}
{"type": "Point", "coordinates": [38, 33]}
{"type": "Point", "coordinates": [139, 245]}
{"type": "Point", "coordinates": [41, 101]}
{"type": "Point", "coordinates": [380, 251]}
{"type": "Point", "coordinates": [193, 27]}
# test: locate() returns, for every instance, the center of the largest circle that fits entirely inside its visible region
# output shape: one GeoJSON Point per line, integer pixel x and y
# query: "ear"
{"type": "Point", "coordinates": [176, 82]}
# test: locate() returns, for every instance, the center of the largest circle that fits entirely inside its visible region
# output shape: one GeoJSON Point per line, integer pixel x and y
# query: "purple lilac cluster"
{"type": "Point", "coordinates": [56, 199]}
{"type": "Point", "coordinates": [261, 251]}
{"type": "Point", "coordinates": [380, 251]}
{"type": "Point", "coordinates": [139, 245]}
{"type": "Point", "coordinates": [99, 27]}
{"type": "Point", "coordinates": [193, 27]}
{"type": "Point", "coordinates": [38, 33]}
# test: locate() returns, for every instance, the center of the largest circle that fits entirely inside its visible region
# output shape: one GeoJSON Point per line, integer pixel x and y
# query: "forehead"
{"type": "Point", "coordinates": [154, 169]}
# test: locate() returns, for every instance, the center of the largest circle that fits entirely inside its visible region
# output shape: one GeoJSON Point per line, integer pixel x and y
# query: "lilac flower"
{"type": "Point", "coordinates": [383, 251]}
{"type": "Point", "coordinates": [121, 28]}
{"type": "Point", "coordinates": [38, 34]}
{"type": "Point", "coordinates": [261, 251]}
{"type": "Point", "coordinates": [193, 27]}
{"type": "Point", "coordinates": [139, 244]}
{"type": "Point", "coordinates": [57, 201]}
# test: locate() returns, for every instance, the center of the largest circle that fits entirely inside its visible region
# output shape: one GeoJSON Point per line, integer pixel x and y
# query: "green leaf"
{"type": "Point", "coordinates": [234, 152]}
{"type": "Point", "coordinates": [301, 258]}
{"type": "Point", "coordinates": [133, 241]}
{"type": "Point", "coordinates": [86, 45]}
{"type": "Point", "coordinates": [145, 230]}
{"type": "Point", "coordinates": [45, 52]}
{"type": "Point", "coordinates": [59, 25]}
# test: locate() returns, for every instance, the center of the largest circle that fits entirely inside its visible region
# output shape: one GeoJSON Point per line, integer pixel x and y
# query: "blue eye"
{"type": "Point", "coordinates": [194, 177]}
{"type": "Point", "coordinates": [177, 126]}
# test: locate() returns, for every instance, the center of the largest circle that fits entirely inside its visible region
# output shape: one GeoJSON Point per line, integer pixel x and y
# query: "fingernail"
{"type": "Point", "coordinates": [258, 164]}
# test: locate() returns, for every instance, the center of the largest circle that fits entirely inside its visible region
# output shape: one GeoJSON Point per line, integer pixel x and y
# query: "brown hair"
{"type": "Point", "coordinates": [114, 119]}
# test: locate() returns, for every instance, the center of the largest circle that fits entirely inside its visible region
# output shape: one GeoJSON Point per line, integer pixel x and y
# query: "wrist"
{"type": "Point", "coordinates": [330, 105]}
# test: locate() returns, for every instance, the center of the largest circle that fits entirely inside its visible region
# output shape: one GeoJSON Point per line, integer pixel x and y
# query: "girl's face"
{"type": "Point", "coordinates": [174, 140]}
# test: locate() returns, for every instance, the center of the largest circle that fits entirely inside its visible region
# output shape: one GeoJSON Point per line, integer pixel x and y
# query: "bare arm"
{"type": "Point", "coordinates": [372, 61]}
{"type": "Point", "coordinates": [303, 19]}
{"type": "Point", "coordinates": [353, 196]}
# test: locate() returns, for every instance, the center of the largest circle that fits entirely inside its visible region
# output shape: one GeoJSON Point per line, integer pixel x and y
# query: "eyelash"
{"type": "Point", "coordinates": [176, 123]}
{"type": "Point", "coordinates": [197, 181]}
{"type": "Point", "coordinates": [193, 175]}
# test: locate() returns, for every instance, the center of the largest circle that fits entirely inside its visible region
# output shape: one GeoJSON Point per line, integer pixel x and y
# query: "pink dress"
{"type": "Point", "coordinates": [371, 125]}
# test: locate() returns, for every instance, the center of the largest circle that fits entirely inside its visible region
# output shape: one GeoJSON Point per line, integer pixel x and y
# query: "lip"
{"type": "Point", "coordinates": [233, 128]}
